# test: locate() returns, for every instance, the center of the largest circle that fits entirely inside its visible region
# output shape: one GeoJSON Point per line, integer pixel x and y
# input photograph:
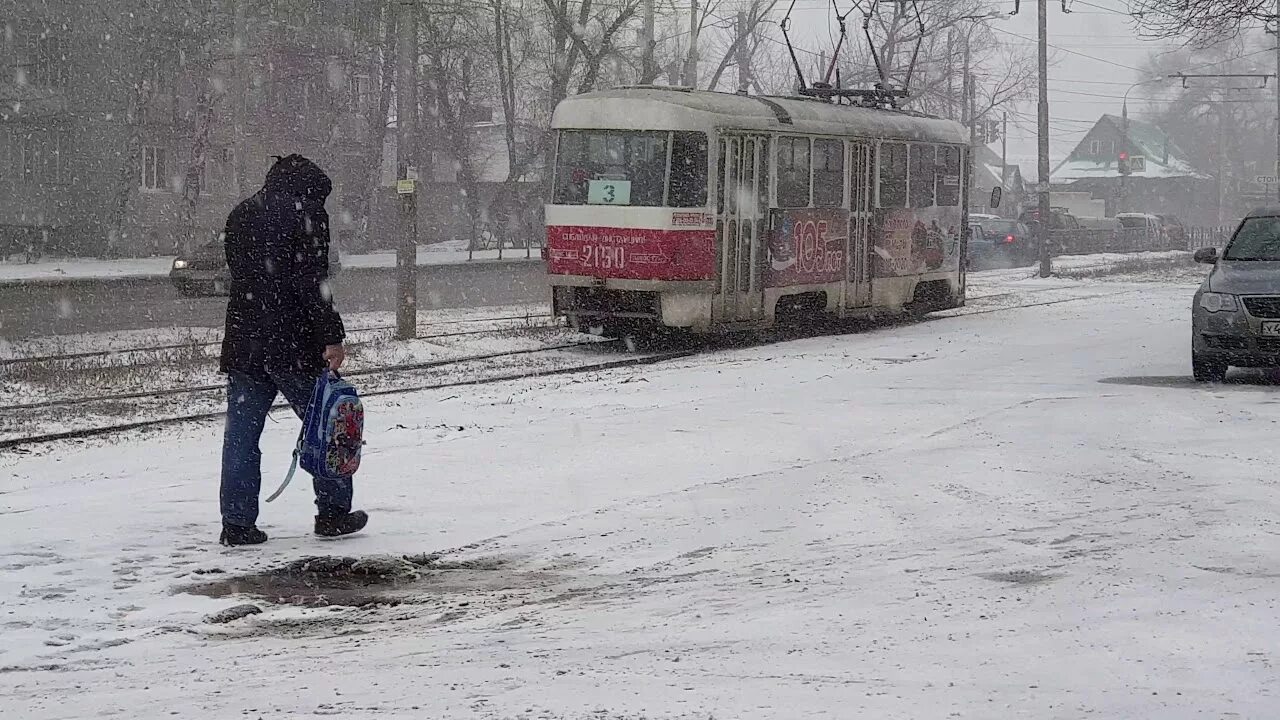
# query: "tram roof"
{"type": "Point", "coordinates": [659, 108]}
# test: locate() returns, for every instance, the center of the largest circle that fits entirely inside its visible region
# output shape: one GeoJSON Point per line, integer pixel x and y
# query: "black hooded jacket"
{"type": "Point", "coordinates": [280, 315]}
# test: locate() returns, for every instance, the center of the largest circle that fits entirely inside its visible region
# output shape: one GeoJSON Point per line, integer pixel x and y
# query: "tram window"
{"type": "Point", "coordinates": [859, 181]}
{"type": "Point", "coordinates": [793, 172]}
{"type": "Point", "coordinates": [893, 175]}
{"type": "Point", "coordinates": [948, 176]}
{"type": "Point", "coordinates": [611, 168]}
{"type": "Point", "coordinates": [828, 173]}
{"type": "Point", "coordinates": [922, 175]}
{"type": "Point", "coordinates": [688, 170]}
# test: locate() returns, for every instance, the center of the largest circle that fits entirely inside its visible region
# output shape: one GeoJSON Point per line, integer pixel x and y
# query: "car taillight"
{"type": "Point", "coordinates": [1008, 238]}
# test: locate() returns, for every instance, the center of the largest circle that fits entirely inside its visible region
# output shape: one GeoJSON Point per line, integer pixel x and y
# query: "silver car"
{"type": "Point", "coordinates": [1235, 319]}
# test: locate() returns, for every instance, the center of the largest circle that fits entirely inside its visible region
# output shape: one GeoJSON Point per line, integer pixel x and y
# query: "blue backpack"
{"type": "Point", "coordinates": [332, 432]}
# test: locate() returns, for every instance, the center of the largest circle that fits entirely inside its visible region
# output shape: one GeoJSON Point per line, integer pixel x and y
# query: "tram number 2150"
{"type": "Point", "coordinates": [605, 257]}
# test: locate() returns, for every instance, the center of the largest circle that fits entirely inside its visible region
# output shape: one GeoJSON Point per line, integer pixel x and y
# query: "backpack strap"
{"type": "Point", "coordinates": [293, 468]}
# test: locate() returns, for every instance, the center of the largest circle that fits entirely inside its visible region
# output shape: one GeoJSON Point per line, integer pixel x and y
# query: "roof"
{"type": "Point", "coordinates": [1267, 211]}
{"type": "Point", "coordinates": [661, 108]}
{"type": "Point", "coordinates": [1144, 139]}
{"type": "Point", "coordinates": [991, 173]}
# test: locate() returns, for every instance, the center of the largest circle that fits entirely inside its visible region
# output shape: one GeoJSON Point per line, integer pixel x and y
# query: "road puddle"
{"type": "Point", "coordinates": [379, 580]}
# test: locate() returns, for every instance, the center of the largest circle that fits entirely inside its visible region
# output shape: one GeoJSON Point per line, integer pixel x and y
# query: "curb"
{"type": "Point", "coordinates": [9, 283]}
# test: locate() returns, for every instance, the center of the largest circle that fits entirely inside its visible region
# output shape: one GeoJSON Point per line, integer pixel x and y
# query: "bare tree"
{"type": "Point", "coordinates": [449, 57]}
{"type": "Point", "coordinates": [745, 42]}
{"type": "Point", "coordinates": [1203, 22]}
{"type": "Point", "coordinates": [1219, 127]}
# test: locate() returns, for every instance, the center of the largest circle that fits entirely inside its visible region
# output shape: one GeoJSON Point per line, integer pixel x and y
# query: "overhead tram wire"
{"type": "Point", "coordinates": [1105, 9]}
{"type": "Point", "coordinates": [1069, 51]}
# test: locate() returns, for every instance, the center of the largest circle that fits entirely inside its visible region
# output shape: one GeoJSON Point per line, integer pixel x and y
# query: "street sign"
{"type": "Point", "coordinates": [1137, 163]}
{"type": "Point", "coordinates": [405, 187]}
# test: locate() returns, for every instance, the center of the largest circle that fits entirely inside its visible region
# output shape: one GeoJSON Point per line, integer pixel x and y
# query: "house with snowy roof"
{"type": "Point", "coordinates": [991, 171]}
{"type": "Point", "coordinates": [1161, 179]}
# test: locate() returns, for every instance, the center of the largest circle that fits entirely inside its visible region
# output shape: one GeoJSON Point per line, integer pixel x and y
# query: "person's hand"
{"type": "Point", "coordinates": [335, 355]}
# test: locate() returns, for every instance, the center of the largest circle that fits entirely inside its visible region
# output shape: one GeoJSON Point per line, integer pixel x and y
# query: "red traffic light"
{"type": "Point", "coordinates": [1124, 155]}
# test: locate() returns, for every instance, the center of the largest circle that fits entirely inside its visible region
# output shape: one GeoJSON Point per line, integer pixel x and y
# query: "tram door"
{"type": "Point", "coordinates": [741, 225]}
{"type": "Point", "coordinates": [861, 202]}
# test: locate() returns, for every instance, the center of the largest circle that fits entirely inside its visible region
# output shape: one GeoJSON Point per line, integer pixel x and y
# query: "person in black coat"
{"type": "Point", "coordinates": [282, 331]}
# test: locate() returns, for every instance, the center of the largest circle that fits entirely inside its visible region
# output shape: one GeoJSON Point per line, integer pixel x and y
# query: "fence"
{"type": "Point", "coordinates": [1203, 237]}
{"type": "Point", "coordinates": [1131, 240]}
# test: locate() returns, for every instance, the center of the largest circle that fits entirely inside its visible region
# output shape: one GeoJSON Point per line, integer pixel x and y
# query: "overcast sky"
{"type": "Point", "coordinates": [1095, 55]}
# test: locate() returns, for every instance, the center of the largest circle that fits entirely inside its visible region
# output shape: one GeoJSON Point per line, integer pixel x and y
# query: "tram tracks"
{"type": "Point", "coordinates": [562, 359]}
{"type": "Point", "coordinates": [200, 344]}
{"type": "Point", "coordinates": [473, 370]}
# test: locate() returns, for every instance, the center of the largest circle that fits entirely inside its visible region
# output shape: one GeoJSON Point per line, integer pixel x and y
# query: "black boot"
{"type": "Point", "coordinates": [336, 525]}
{"type": "Point", "coordinates": [233, 535]}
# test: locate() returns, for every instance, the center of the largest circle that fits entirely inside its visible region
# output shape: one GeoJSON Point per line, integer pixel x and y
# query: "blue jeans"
{"type": "Point", "coordinates": [249, 399]}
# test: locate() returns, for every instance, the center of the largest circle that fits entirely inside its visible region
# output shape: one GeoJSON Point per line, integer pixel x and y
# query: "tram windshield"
{"type": "Point", "coordinates": [631, 168]}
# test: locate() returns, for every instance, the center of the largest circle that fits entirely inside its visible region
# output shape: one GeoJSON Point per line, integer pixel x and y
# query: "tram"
{"type": "Point", "coordinates": [708, 211]}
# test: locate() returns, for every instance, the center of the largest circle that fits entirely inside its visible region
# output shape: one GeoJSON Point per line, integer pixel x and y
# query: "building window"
{"type": "Point", "coordinates": [42, 156]}
{"type": "Point", "coordinates": [217, 174]}
{"type": "Point", "coordinates": [154, 173]}
{"type": "Point", "coordinates": [358, 93]}
{"type": "Point", "coordinates": [1102, 148]}
{"type": "Point", "coordinates": [46, 62]}
{"type": "Point", "coordinates": [8, 164]}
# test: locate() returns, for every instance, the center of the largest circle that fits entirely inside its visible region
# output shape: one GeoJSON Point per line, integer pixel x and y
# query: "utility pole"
{"type": "Point", "coordinates": [1004, 145]}
{"type": "Point", "coordinates": [648, 70]}
{"type": "Point", "coordinates": [406, 116]}
{"type": "Point", "coordinates": [970, 113]}
{"type": "Point", "coordinates": [743, 53]}
{"type": "Point", "coordinates": [1122, 202]}
{"type": "Point", "coordinates": [1042, 133]}
{"type": "Point", "coordinates": [1276, 173]}
{"type": "Point", "coordinates": [239, 95]}
{"type": "Point", "coordinates": [691, 62]}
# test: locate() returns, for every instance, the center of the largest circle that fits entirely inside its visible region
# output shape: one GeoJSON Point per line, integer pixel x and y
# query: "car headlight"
{"type": "Point", "coordinates": [1219, 302]}
{"type": "Point", "coordinates": [179, 264]}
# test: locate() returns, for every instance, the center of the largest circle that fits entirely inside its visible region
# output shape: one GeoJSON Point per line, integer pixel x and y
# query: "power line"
{"type": "Point", "coordinates": [1164, 100]}
{"type": "Point", "coordinates": [1100, 7]}
{"type": "Point", "coordinates": [1069, 51]}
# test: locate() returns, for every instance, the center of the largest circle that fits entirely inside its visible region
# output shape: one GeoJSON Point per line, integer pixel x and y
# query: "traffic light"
{"type": "Point", "coordinates": [1123, 164]}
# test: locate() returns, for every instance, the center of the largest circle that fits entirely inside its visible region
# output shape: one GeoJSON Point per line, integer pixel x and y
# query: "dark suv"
{"type": "Point", "coordinates": [1000, 240]}
{"type": "Point", "coordinates": [1059, 219]}
{"type": "Point", "coordinates": [1235, 318]}
{"type": "Point", "coordinates": [204, 271]}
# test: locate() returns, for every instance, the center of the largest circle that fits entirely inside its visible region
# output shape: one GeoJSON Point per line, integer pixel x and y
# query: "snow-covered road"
{"type": "Point", "coordinates": [1023, 513]}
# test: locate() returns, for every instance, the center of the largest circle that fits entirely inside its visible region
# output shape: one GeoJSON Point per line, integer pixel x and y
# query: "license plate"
{"type": "Point", "coordinates": [1271, 329]}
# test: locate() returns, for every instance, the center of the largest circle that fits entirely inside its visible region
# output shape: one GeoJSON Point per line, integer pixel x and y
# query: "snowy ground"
{"type": "Point", "coordinates": [54, 269]}
{"type": "Point", "coordinates": [1005, 512]}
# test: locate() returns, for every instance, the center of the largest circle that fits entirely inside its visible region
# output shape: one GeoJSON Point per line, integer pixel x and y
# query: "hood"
{"type": "Point", "coordinates": [1246, 278]}
{"type": "Point", "coordinates": [297, 176]}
